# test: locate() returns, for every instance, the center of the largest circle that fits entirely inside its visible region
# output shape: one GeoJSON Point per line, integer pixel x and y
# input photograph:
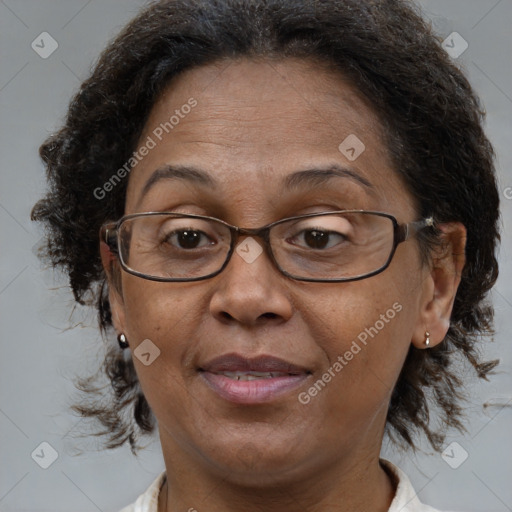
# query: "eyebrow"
{"type": "Point", "coordinates": [319, 176]}
{"type": "Point", "coordinates": [173, 172]}
{"type": "Point", "coordinates": [298, 179]}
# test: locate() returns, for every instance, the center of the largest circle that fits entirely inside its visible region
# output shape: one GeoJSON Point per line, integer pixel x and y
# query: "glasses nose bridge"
{"type": "Point", "coordinates": [262, 232]}
{"type": "Point", "coordinates": [258, 232]}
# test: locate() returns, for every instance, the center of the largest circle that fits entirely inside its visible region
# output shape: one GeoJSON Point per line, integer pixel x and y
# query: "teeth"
{"type": "Point", "coordinates": [252, 375]}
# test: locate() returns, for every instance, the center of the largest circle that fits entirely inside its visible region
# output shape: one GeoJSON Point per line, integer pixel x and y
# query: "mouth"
{"type": "Point", "coordinates": [257, 380]}
{"type": "Point", "coordinates": [246, 376]}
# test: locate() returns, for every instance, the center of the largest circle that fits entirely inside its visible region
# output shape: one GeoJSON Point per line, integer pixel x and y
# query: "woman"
{"type": "Point", "coordinates": [297, 212]}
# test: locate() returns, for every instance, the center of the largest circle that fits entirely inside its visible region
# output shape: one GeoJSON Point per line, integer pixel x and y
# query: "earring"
{"type": "Point", "coordinates": [427, 339]}
{"type": "Point", "coordinates": [123, 342]}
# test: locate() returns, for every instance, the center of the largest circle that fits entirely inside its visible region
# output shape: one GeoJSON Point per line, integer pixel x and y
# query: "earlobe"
{"type": "Point", "coordinates": [117, 309]}
{"type": "Point", "coordinates": [440, 287]}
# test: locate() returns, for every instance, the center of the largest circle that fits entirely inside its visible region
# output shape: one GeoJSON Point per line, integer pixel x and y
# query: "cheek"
{"type": "Point", "coordinates": [158, 310]}
{"type": "Point", "coordinates": [168, 316]}
{"type": "Point", "coordinates": [360, 310]}
{"type": "Point", "coordinates": [364, 329]}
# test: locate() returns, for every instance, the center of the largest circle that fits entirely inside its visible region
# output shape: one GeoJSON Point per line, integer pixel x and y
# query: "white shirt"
{"type": "Point", "coordinates": [405, 499]}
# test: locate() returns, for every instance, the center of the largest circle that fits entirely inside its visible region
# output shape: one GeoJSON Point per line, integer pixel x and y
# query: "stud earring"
{"type": "Point", "coordinates": [427, 339]}
{"type": "Point", "coordinates": [123, 342]}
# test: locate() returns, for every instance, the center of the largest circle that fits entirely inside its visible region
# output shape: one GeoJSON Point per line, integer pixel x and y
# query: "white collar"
{"type": "Point", "coordinates": [405, 500]}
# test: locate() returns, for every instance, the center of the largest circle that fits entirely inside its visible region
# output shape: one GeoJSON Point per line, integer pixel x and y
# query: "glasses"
{"type": "Point", "coordinates": [336, 246]}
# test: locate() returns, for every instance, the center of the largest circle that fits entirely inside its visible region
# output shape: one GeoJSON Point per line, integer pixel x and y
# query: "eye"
{"type": "Point", "coordinates": [318, 238]}
{"type": "Point", "coordinates": [187, 238]}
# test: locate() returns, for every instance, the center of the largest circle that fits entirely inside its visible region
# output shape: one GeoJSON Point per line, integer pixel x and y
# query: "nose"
{"type": "Point", "coordinates": [250, 290]}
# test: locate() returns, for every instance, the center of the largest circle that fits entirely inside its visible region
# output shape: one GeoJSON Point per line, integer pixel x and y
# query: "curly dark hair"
{"type": "Point", "coordinates": [433, 125]}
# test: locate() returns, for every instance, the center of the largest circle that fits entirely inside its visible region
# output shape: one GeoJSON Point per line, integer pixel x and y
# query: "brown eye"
{"type": "Point", "coordinates": [318, 239]}
{"type": "Point", "coordinates": [187, 239]}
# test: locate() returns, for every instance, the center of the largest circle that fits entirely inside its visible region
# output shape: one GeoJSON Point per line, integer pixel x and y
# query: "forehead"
{"type": "Point", "coordinates": [251, 123]}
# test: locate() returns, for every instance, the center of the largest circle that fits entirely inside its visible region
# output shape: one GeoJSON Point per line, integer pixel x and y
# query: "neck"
{"type": "Point", "coordinates": [348, 487]}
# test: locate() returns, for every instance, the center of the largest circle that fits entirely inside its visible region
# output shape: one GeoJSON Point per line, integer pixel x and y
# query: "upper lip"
{"type": "Point", "coordinates": [263, 363]}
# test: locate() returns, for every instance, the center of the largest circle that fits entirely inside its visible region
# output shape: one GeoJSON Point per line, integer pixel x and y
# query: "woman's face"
{"type": "Point", "coordinates": [254, 125]}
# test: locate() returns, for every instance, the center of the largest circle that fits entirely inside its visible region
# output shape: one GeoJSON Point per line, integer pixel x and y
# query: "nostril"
{"type": "Point", "coordinates": [269, 315]}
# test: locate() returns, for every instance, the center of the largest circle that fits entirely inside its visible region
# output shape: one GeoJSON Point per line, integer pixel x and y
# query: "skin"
{"type": "Point", "coordinates": [255, 123]}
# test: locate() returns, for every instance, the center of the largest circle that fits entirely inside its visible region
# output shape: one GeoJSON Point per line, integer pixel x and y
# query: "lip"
{"type": "Point", "coordinates": [253, 391]}
{"type": "Point", "coordinates": [238, 363]}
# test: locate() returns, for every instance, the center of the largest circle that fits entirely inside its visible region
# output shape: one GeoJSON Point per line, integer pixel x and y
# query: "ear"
{"type": "Point", "coordinates": [440, 286]}
{"type": "Point", "coordinates": [115, 292]}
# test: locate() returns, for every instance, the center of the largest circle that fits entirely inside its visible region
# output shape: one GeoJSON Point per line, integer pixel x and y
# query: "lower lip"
{"type": "Point", "coordinates": [252, 391]}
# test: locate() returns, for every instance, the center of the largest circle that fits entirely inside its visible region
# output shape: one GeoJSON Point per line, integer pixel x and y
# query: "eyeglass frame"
{"type": "Point", "coordinates": [109, 234]}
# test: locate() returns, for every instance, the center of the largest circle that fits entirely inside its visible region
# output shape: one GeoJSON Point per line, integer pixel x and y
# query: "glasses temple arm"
{"type": "Point", "coordinates": [108, 235]}
{"type": "Point", "coordinates": [410, 229]}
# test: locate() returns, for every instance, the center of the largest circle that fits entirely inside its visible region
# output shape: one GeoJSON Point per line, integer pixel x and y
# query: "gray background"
{"type": "Point", "coordinates": [40, 357]}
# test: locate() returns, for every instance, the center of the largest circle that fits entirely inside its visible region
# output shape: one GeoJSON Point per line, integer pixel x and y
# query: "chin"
{"type": "Point", "coordinates": [253, 465]}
